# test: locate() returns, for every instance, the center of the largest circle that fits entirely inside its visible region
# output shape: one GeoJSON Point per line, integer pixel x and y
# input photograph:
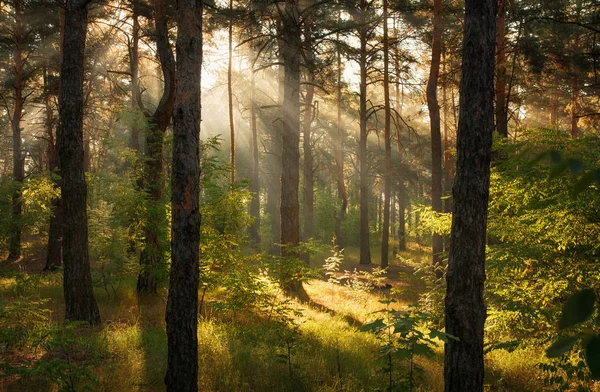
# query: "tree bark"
{"type": "Point", "coordinates": [230, 92]}
{"type": "Point", "coordinates": [400, 175]}
{"type": "Point", "coordinates": [437, 244]}
{"type": "Point", "coordinates": [53, 248]}
{"type": "Point", "coordinates": [134, 69]}
{"type": "Point", "coordinates": [365, 245]}
{"type": "Point", "coordinates": [388, 142]}
{"type": "Point", "coordinates": [308, 183]}
{"type": "Point", "coordinates": [501, 104]}
{"type": "Point", "coordinates": [14, 249]}
{"type": "Point", "coordinates": [465, 308]}
{"type": "Point", "coordinates": [151, 256]}
{"type": "Point", "coordinates": [79, 295]}
{"type": "Point", "coordinates": [254, 170]}
{"type": "Point", "coordinates": [182, 303]}
{"type": "Point", "coordinates": [339, 155]}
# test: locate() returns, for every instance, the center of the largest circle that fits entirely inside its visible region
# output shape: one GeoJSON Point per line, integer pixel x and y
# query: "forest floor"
{"type": "Point", "coordinates": [288, 347]}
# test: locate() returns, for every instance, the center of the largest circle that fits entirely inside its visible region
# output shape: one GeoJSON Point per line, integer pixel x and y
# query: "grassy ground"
{"type": "Point", "coordinates": [318, 348]}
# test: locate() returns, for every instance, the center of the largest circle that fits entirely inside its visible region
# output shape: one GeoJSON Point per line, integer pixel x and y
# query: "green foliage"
{"type": "Point", "coordinates": [360, 283]}
{"type": "Point", "coordinates": [402, 338]}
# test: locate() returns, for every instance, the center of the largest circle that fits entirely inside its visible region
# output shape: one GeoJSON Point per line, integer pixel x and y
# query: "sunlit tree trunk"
{"type": "Point", "coordinates": [182, 303]}
{"type": "Point", "coordinates": [501, 104]}
{"type": "Point", "coordinates": [230, 91]}
{"type": "Point", "coordinates": [151, 256]}
{"type": "Point", "coordinates": [290, 177]}
{"type": "Point", "coordinates": [365, 245]}
{"type": "Point", "coordinates": [14, 249]}
{"type": "Point", "coordinates": [339, 154]}
{"type": "Point", "coordinates": [436, 138]}
{"type": "Point", "coordinates": [465, 308]}
{"type": "Point", "coordinates": [79, 297]}
{"type": "Point", "coordinates": [388, 142]}
{"type": "Point", "coordinates": [400, 174]}
{"type": "Point", "coordinates": [308, 183]}
{"type": "Point", "coordinates": [254, 170]}
{"type": "Point", "coordinates": [447, 146]}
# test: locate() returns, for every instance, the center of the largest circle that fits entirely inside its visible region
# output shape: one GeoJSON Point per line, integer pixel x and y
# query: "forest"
{"type": "Point", "coordinates": [299, 195]}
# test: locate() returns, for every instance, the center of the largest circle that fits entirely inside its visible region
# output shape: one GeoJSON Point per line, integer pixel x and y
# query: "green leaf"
{"type": "Point", "coordinates": [584, 183]}
{"type": "Point", "coordinates": [592, 356]}
{"type": "Point", "coordinates": [444, 337]}
{"type": "Point", "coordinates": [578, 308]}
{"type": "Point", "coordinates": [373, 327]}
{"type": "Point", "coordinates": [576, 166]}
{"type": "Point", "coordinates": [561, 346]}
{"type": "Point", "coordinates": [537, 159]}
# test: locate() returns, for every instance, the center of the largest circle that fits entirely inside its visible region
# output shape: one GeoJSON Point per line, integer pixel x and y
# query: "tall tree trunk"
{"type": "Point", "coordinates": [134, 69]}
{"type": "Point", "coordinates": [501, 104]}
{"type": "Point", "coordinates": [308, 194]}
{"type": "Point", "coordinates": [388, 142]}
{"type": "Point", "coordinates": [339, 154]}
{"type": "Point", "coordinates": [465, 307]}
{"type": "Point", "coordinates": [437, 244]}
{"type": "Point", "coordinates": [400, 175]}
{"type": "Point", "coordinates": [53, 248]}
{"type": "Point", "coordinates": [365, 245]}
{"type": "Point", "coordinates": [230, 91]}
{"type": "Point", "coordinates": [151, 256]}
{"type": "Point", "coordinates": [273, 206]}
{"type": "Point", "coordinates": [447, 146]}
{"type": "Point", "coordinates": [79, 295]}
{"type": "Point", "coordinates": [14, 248]}
{"type": "Point", "coordinates": [182, 304]}
{"type": "Point", "coordinates": [254, 170]}
{"type": "Point", "coordinates": [290, 177]}
{"type": "Point", "coordinates": [308, 183]}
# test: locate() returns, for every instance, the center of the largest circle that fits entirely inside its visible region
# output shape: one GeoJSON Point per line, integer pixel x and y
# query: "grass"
{"type": "Point", "coordinates": [318, 349]}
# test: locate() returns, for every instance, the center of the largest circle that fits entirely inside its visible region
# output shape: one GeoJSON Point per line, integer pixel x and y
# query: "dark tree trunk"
{"type": "Point", "coordinates": [290, 175]}
{"type": "Point", "coordinates": [437, 244]}
{"type": "Point", "coordinates": [339, 156]}
{"type": "Point", "coordinates": [53, 248]}
{"type": "Point", "coordinates": [255, 172]}
{"type": "Point", "coordinates": [365, 245]}
{"type": "Point", "coordinates": [447, 150]}
{"type": "Point", "coordinates": [14, 248]}
{"type": "Point", "coordinates": [182, 304]}
{"type": "Point", "coordinates": [501, 104]}
{"type": "Point", "coordinates": [151, 256]}
{"type": "Point", "coordinates": [134, 69]}
{"type": "Point", "coordinates": [309, 193]}
{"type": "Point", "coordinates": [465, 307]}
{"type": "Point", "coordinates": [79, 296]}
{"type": "Point", "coordinates": [388, 142]}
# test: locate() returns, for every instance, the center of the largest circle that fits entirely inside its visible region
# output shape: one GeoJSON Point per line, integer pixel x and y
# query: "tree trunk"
{"type": "Point", "coordinates": [574, 104]}
{"type": "Point", "coordinates": [182, 304]}
{"type": "Point", "coordinates": [437, 244]}
{"type": "Point", "coordinates": [79, 296]}
{"type": "Point", "coordinates": [14, 249]}
{"type": "Point", "coordinates": [447, 149]}
{"type": "Point", "coordinates": [134, 69]}
{"type": "Point", "coordinates": [400, 175]}
{"type": "Point", "coordinates": [53, 248]}
{"type": "Point", "coordinates": [254, 171]}
{"type": "Point", "coordinates": [290, 175]}
{"type": "Point", "coordinates": [339, 155]}
{"type": "Point", "coordinates": [465, 308]}
{"type": "Point", "coordinates": [385, 238]}
{"type": "Point", "coordinates": [501, 104]}
{"type": "Point", "coordinates": [309, 194]}
{"type": "Point", "coordinates": [273, 207]}
{"type": "Point", "coordinates": [230, 92]}
{"type": "Point", "coordinates": [365, 245]}
{"type": "Point", "coordinates": [151, 256]}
